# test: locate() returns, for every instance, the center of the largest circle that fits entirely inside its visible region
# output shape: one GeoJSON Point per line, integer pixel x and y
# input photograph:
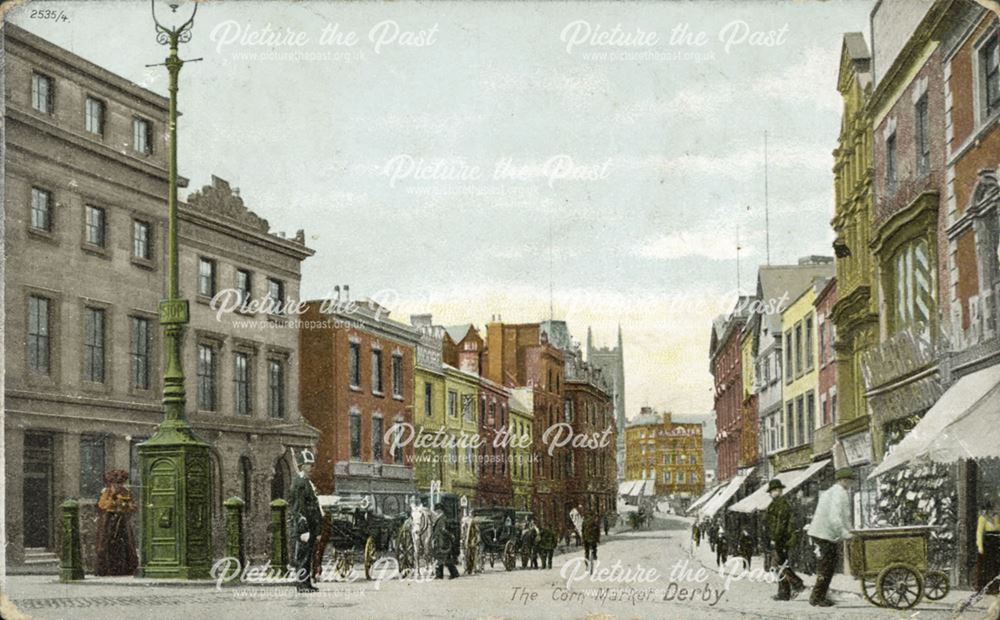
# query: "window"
{"type": "Point", "coordinates": [41, 209]}
{"type": "Point", "coordinates": [92, 465]}
{"type": "Point", "coordinates": [276, 293]}
{"type": "Point", "coordinates": [890, 164]}
{"type": "Point", "coordinates": [95, 226]}
{"type": "Point", "coordinates": [798, 348]}
{"type": "Point", "coordinates": [141, 240]}
{"type": "Point", "coordinates": [789, 368]}
{"type": "Point", "coordinates": [94, 112]}
{"type": "Point", "coordinates": [452, 403]}
{"type": "Point", "coordinates": [810, 416]}
{"type": "Point", "coordinates": [397, 449]}
{"type": "Point", "coordinates": [377, 438]}
{"type": "Point", "coordinates": [923, 142]}
{"type": "Point", "coordinates": [790, 424]}
{"type": "Point", "coordinates": [913, 275]}
{"type": "Point", "coordinates": [397, 376]}
{"type": "Point", "coordinates": [93, 345]}
{"type": "Point", "coordinates": [276, 388]}
{"type": "Point", "coordinates": [241, 378]}
{"type": "Point", "coordinates": [809, 342]}
{"type": "Point", "coordinates": [244, 285]}
{"type": "Point", "coordinates": [42, 93]}
{"type": "Point", "coordinates": [354, 364]}
{"type": "Point", "coordinates": [207, 377]}
{"type": "Point", "coordinates": [453, 456]}
{"type": "Point", "coordinates": [469, 407]}
{"type": "Point", "coordinates": [824, 408]}
{"type": "Point", "coordinates": [141, 344]}
{"type": "Point", "coordinates": [355, 436]}
{"type": "Point", "coordinates": [833, 408]}
{"type": "Point", "coordinates": [206, 277]}
{"type": "Point", "coordinates": [990, 75]}
{"type": "Point", "coordinates": [38, 335]}
{"type": "Point", "coordinates": [142, 136]}
{"type": "Point", "coordinates": [800, 419]}
{"type": "Point", "coordinates": [428, 399]}
{"type": "Point", "coordinates": [822, 343]}
{"type": "Point", "coordinates": [376, 371]}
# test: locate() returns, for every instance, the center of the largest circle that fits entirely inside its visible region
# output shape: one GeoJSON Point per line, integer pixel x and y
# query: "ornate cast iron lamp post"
{"type": "Point", "coordinates": [174, 462]}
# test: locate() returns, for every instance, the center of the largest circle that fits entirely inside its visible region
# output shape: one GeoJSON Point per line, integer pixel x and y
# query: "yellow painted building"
{"type": "Point", "coordinates": [520, 454]}
{"type": "Point", "coordinates": [671, 453]}
{"type": "Point", "coordinates": [801, 379]}
{"type": "Point", "coordinates": [461, 398]}
{"type": "Point", "coordinates": [428, 403]}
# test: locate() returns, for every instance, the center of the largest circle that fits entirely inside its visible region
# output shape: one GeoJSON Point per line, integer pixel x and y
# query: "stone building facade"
{"type": "Point", "coordinates": [85, 271]}
{"type": "Point", "coordinates": [658, 448]}
{"type": "Point", "coordinates": [611, 362]}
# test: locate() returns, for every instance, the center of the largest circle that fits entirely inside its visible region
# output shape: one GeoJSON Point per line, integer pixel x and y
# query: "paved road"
{"type": "Point", "coordinates": [646, 574]}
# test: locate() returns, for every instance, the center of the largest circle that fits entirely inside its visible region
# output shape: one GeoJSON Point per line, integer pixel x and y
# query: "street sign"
{"type": "Point", "coordinates": [173, 311]}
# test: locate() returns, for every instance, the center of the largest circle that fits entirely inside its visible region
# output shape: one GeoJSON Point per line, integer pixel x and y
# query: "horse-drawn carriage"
{"type": "Point", "coordinates": [491, 534]}
{"type": "Point", "coordinates": [353, 530]}
{"type": "Point", "coordinates": [413, 536]}
{"type": "Point", "coordinates": [892, 565]}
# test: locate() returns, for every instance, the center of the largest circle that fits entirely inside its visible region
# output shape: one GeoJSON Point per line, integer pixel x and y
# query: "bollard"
{"type": "Point", "coordinates": [279, 535]}
{"type": "Point", "coordinates": [234, 529]}
{"type": "Point", "coordinates": [71, 564]}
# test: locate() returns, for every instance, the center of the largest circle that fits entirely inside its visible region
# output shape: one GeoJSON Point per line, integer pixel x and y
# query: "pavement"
{"type": "Point", "coordinates": [651, 573]}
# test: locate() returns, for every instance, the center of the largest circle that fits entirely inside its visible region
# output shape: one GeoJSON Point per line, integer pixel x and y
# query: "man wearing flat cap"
{"type": "Point", "coordinates": [830, 525]}
{"type": "Point", "coordinates": [781, 531]}
{"type": "Point", "coordinates": [306, 519]}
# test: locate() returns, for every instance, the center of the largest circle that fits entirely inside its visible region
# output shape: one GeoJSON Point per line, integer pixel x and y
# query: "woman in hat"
{"type": "Point", "coordinates": [988, 546]}
{"type": "Point", "coordinates": [115, 540]}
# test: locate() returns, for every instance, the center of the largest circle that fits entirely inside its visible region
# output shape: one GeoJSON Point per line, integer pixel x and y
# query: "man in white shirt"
{"type": "Point", "coordinates": [831, 524]}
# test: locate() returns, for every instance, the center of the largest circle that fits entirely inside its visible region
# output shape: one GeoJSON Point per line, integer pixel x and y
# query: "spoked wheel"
{"type": "Point", "coordinates": [471, 558]}
{"type": "Point", "coordinates": [369, 557]}
{"type": "Point", "coordinates": [936, 585]}
{"type": "Point", "coordinates": [404, 552]}
{"type": "Point", "coordinates": [509, 556]}
{"type": "Point", "coordinates": [345, 563]}
{"type": "Point", "coordinates": [900, 586]}
{"type": "Point", "coordinates": [870, 590]}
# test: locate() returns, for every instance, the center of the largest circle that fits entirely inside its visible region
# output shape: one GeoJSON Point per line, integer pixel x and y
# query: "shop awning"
{"type": "Point", "coordinates": [634, 488]}
{"type": "Point", "coordinates": [648, 488]}
{"type": "Point", "coordinates": [792, 479]}
{"type": "Point", "coordinates": [960, 425]}
{"type": "Point", "coordinates": [707, 495]}
{"type": "Point", "coordinates": [722, 497]}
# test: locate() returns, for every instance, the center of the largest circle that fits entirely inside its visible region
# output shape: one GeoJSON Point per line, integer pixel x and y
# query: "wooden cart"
{"type": "Point", "coordinates": [892, 565]}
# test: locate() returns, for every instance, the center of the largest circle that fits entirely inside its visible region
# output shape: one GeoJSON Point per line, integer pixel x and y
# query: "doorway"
{"type": "Point", "coordinates": [38, 490]}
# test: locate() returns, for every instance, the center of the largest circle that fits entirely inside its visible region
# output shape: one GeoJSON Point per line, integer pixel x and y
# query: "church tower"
{"type": "Point", "coordinates": [611, 361]}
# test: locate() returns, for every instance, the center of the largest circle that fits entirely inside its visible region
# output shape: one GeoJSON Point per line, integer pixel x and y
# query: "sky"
{"type": "Point", "coordinates": [601, 161]}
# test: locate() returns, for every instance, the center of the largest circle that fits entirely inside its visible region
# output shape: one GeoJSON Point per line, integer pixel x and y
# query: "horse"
{"type": "Point", "coordinates": [421, 523]}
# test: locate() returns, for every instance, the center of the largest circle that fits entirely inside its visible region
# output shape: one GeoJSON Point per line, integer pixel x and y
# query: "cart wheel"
{"type": "Point", "coordinates": [345, 564]}
{"type": "Point", "coordinates": [509, 556]}
{"type": "Point", "coordinates": [369, 557]}
{"type": "Point", "coordinates": [870, 590]}
{"type": "Point", "coordinates": [471, 558]}
{"type": "Point", "coordinates": [936, 585]}
{"type": "Point", "coordinates": [900, 586]}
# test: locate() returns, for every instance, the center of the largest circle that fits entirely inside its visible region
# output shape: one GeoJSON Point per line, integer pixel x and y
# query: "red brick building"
{"type": "Point", "coordinates": [824, 436]}
{"type": "Point", "coordinates": [593, 481]}
{"type": "Point", "coordinates": [494, 484]}
{"type": "Point", "coordinates": [727, 371]}
{"type": "Point", "coordinates": [356, 387]}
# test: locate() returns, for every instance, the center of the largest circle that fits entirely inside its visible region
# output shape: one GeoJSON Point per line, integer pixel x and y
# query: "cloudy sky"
{"type": "Point", "coordinates": [465, 158]}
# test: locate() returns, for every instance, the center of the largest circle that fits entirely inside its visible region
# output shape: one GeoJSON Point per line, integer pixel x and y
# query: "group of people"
{"type": "Point", "coordinates": [720, 543]}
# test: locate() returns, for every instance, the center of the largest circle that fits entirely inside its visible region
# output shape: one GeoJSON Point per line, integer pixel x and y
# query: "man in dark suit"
{"type": "Point", "coordinates": [781, 530]}
{"type": "Point", "coordinates": [306, 519]}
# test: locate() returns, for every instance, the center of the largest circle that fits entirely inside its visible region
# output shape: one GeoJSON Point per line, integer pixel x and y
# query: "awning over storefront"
{"type": "Point", "coordinates": [961, 425]}
{"type": "Point", "coordinates": [792, 479]}
{"type": "Point", "coordinates": [721, 498]}
{"type": "Point", "coordinates": [636, 488]}
{"type": "Point", "coordinates": [648, 488]}
{"type": "Point", "coordinates": [707, 495]}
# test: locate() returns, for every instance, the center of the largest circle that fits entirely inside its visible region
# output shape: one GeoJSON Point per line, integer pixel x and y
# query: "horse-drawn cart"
{"type": "Point", "coordinates": [354, 531]}
{"type": "Point", "coordinates": [892, 565]}
{"type": "Point", "coordinates": [496, 530]}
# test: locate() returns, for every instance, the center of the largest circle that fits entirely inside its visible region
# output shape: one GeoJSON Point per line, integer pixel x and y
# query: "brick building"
{"type": "Point", "coordinates": [725, 364]}
{"type": "Point", "coordinates": [669, 452]}
{"type": "Point", "coordinates": [356, 389]}
{"type": "Point", "coordinates": [826, 334]}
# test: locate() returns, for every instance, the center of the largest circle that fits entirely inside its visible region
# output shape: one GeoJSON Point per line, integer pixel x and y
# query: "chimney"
{"type": "Point", "coordinates": [336, 289]}
{"type": "Point", "coordinates": [421, 320]}
{"type": "Point", "coordinates": [347, 293]}
{"type": "Point", "coordinates": [813, 259]}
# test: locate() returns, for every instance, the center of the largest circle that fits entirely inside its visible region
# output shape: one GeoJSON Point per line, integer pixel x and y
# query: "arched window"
{"type": "Point", "coordinates": [246, 482]}
{"type": "Point", "coordinates": [280, 477]}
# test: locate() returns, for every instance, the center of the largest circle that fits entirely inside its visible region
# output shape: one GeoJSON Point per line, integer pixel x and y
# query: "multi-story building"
{"type": "Point", "coordinates": [357, 390]}
{"type": "Point", "coordinates": [826, 361]}
{"type": "Point", "coordinates": [521, 454]}
{"type": "Point", "coordinates": [855, 313]}
{"type": "Point", "coordinates": [669, 452]}
{"type": "Point", "coordinates": [520, 355]}
{"type": "Point", "coordinates": [429, 461]}
{"type": "Point", "coordinates": [611, 362]}
{"type": "Point", "coordinates": [725, 357]}
{"type": "Point", "coordinates": [749, 435]}
{"type": "Point", "coordinates": [461, 423]}
{"type": "Point", "coordinates": [85, 233]}
{"type": "Point", "coordinates": [801, 379]}
{"type": "Point", "coordinates": [494, 483]}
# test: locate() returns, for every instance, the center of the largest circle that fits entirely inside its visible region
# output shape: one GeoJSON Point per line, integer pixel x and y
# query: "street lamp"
{"type": "Point", "coordinates": [175, 478]}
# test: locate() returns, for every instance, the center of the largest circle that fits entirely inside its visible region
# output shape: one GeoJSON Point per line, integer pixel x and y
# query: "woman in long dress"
{"type": "Point", "coordinates": [115, 539]}
{"type": "Point", "coordinates": [988, 546]}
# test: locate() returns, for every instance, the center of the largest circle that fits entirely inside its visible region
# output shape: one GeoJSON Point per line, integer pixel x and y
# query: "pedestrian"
{"type": "Point", "coordinates": [604, 522]}
{"type": "Point", "coordinates": [529, 540]}
{"type": "Point", "coordinates": [591, 534]}
{"type": "Point", "coordinates": [576, 519]}
{"type": "Point", "coordinates": [831, 524]}
{"type": "Point", "coordinates": [546, 545]}
{"type": "Point", "coordinates": [988, 546]}
{"type": "Point", "coordinates": [695, 534]}
{"type": "Point", "coordinates": [721, 546]}
{"type": "Point", "coordinates": [115, 539]}
{"type": "Point", "coordinates": [306, 519]}
{"type": "Point", "coordinates": [443, 545]}
{"type": "Point", "coordinates": [745, 546]}
{"type": "Point", "coordinates": [781, 530]}
{"type": "Point", "coordinates": [712, 534]}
